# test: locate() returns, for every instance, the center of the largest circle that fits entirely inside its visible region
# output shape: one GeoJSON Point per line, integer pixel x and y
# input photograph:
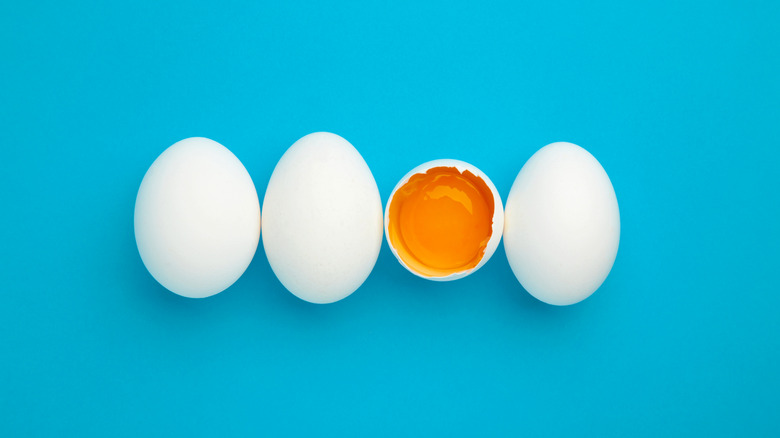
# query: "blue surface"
{"type": "Point", "coordinates": [678, 101]}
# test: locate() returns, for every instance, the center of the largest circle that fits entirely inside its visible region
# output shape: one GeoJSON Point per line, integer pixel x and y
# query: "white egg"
{"type": "Point", "coordinates": [197, 218]}
{"type": "Point", "coordinates": [322, 219]}
{"type": "Point", "coordinates": [562, 224]}
{"type": "Point", "coordinates": [444, 220]}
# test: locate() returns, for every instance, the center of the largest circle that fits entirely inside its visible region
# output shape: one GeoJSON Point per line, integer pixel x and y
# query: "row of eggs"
{"type": "Point", "coordinates": [198, 220]}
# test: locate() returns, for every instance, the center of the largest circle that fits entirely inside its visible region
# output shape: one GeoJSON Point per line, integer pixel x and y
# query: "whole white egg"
{"type": "Point", "coordinates": [197, 218]}
{"type": "Point", "coordinates": [562, 224]}
{"type": "Point", "coordinates": [322, 219]}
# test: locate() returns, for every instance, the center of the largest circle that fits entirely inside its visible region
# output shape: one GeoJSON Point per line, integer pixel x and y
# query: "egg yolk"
{"type": "Point", "coordinates": [440, 221]}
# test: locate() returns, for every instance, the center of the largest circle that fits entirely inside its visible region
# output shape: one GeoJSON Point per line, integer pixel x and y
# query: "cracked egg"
{"type": "Point", "coordinates": [444, 220]}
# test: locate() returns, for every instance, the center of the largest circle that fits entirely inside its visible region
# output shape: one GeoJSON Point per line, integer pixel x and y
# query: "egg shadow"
{"type": "Point", "coordinates": [531, 312]}
{"type": "Point", "coordinates": [138, 291]}
{"type": "Point", "coordinates": [268, 300]}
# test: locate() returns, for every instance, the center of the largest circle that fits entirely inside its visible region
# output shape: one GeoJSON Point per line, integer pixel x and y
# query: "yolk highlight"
{"type": "Point", "coordinates": [440, 221]}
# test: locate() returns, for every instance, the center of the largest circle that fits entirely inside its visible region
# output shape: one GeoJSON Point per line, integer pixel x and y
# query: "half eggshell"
{"type": "Point", "coordinates": [444, 220]}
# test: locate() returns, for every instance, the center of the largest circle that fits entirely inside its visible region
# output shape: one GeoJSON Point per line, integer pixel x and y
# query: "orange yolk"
{"type": "Point", "coordinates": [441, 221]}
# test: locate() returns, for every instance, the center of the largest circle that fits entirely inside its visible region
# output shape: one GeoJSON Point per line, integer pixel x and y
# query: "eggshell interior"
{"type": "Point", "coordinates": [428, 228]}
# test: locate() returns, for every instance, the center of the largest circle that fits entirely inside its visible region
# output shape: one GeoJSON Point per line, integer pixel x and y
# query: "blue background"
{"type": "Point", "coordinates": [678, 101]}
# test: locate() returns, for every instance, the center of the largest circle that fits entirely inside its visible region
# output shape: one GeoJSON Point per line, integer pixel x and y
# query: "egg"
{"type": "Point", "coordinates": [197, 218]}
{"type": "Point", "coordinates": [322, 219]}
{"type": "Point", "coordinates": [444, 220]}
{"type": "Point", "coordinates": [562, 225]}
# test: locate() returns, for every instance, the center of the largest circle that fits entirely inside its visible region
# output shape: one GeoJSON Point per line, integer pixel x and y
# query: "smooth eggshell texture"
{"type": "Point", "coordinates": [562, 224]}
{"type": "Point", "coordinates": [197, 218]}
{"type": "Point", "coordinates": [322, 219]}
